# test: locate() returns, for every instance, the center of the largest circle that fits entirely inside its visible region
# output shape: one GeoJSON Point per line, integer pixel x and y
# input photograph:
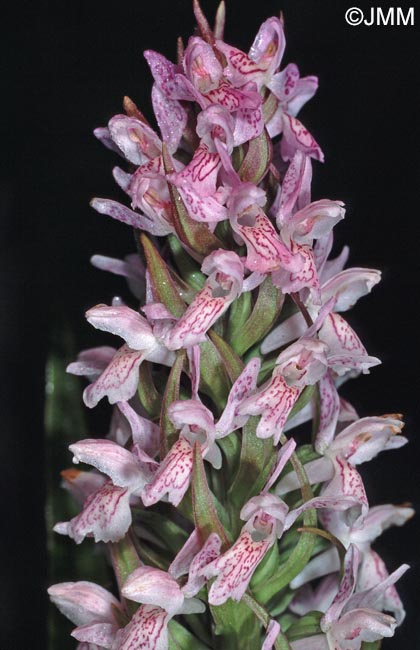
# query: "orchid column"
{"type": "Point", "coordinates": [216, 519]}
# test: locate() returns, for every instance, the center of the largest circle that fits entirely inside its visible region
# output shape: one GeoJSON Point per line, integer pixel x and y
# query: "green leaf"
{"type": "Point", "coordinates": [264, 314]}
{"type": "Point", "coordinates": [187, 267]}
{"type": "Point", "coordinates": [236, 626]}
{"type": "Point", "coordinates": [163, 287]}
{"type": "Point", "coordinates": [306, 626]}
{"type": "Point", "coordinates": [239, 312]}
{"type": "Point", "coordinates": [214, 380]}
{"type": "Point", "coordinates": [196, 236]}
{"type": "Point", "coordinates": [302, 401]}
{"type": "Point", "coordinates": [257, 159]}
{"type": "Point", "coordinates": [168, 429]}
{"type": "Point", "coordinates": [149, 397]}
{"type": "Point", "coordinates": [125, 560]}
{"type": "Point", "coordinates": [181, 639]}
{"type": "Point", "coordinates": [255, 463]}
{"type": "Point", "coordinates": [232, 363]}
{"type": "Point", "coordinates": [205, 515]}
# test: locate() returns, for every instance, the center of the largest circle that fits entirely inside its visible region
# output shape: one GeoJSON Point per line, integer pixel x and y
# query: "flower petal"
{"type": "Point", "coordinates": [147, 630]}
{"type": "Point", "coordinates": [106, 515]}
{"type": "Point", "coordinates": [119, 380]}
{"type": "Point", "coordinates": [173, 476]}
{"type": "Point", "coordinates": [111, 459]}
{"type": "Point", "coordinates": [84, 602]}
{"type": "Point", "coordinates": [152, 586]}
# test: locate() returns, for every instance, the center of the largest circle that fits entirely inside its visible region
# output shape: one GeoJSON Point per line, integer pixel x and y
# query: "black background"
{"type": "Point", "coordinates": [70, 63]}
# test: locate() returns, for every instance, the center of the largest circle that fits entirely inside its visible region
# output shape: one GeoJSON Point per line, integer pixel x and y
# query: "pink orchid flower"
{"type": "Point", "coordinates": [372, 569]}
{"type": "Point", "coordinates": [119, 378]}
{"type": "Point", "coordinates": [106, 511]}
{"type": "Point", "coordinates": [353, 617]}
{"type": "Point", "coordinates": [357, 443]}
{"type": "Point", "coordinates": [93, 609]}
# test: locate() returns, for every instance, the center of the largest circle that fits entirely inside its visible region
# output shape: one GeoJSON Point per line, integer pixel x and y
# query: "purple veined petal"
{"type": "Point", "coordinates": [121, 213]}
{"type": "Point", "coordinates": [84, 602]}
{"type": "Point", "coordinates": [122, 178]}
{"type": "Point", "coordinates": [208, 553]}
{"type": "Point", "coordinates": [146, 434]}
{"type": "Point", "coordinates": [216, 122]}
{"type": "Point", "coordinates": [348, 286]}
{"type": "Point", "coordinates": [303, 363]}
{"type": "Point", "coordinates": [201, 66]}
{"type": "Point", "coordinates": [171, 117]}
{"type": "Point", "coordinates": [347, 482]}
{"type": "Point", "coordinates": [81, 484]}
{"type": "Point", "coordinates": [364, 439]}
{"type": "Point", "coordinates": [234, 569]}
{"type": "Point", "coordinates": [273, 630]}
{"type": "Point", "coordinates": [109, 458]}
{"type": "Point", "coordinates": [292, 328]}
{"type": "Point", "coordinates": [223, 285]}
{"type": "Point", "coordinates": [249, 123]}
{"type": "Point", "coordinates": [282, 458]}
{"type": "Point", "coordinates": [173, 476]}
{"type": "Point", "coordinates": [314, 221]}
{"type": "Point", "coordinates": [373, 572]}
{"type": "Point", "coordinates": [346, 588]}
{"type": "Point", "coordinates": [100, 634]}
{"type": "Point", "coordinates": [201, 314]}
{"type": "Point", "coordinates": [329, 409]}
{"type": "Point", "coordinates": [305, 89]}
{"type": "Point", "coordinates": [296, 187]}
{"type": "Point", "coordinates": [283, 84]}
{"type": "Point", "coordinates": [151, 586]}
{"type": "Point", "coordinates": [273, 402]}
{"type": "Point", "coordinates": [363, 625]}
{"type": "Point", "coordinates": [131, 268]}
{"type": "Point", "coordinates": [118, 381]}
{"type": "Point", "coordinates": [345, 349]}
{"type": "Point", "coordinates": [265, 250]}
{"type": "Point", "coordinates": [169, 78]}
{"type": "Point", "coordinates": [106, 515]}
{"type": "Point", "coordinates": [242, 387]}
{"type": "Point", "coordinates": [296, 136]}
{"type": "Point", "coordinates": [306, 276]}
{"type": "Point", "coordinates": [182, 561]}
{"type": "Point", "coordinates": [322, 564]}
{"type": "Point", "coordinates": [146, 630]}
{"type": "Point", "coordinates": [91, 363]}
{"type": "Point", "coordinates": [134, 138]}
{"type": "Point", "coordinates": [240, 68]}
{"type": "Point", "coordinates": [200, 173]}
{"type": "Point", "coordinates": [204, 209]}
